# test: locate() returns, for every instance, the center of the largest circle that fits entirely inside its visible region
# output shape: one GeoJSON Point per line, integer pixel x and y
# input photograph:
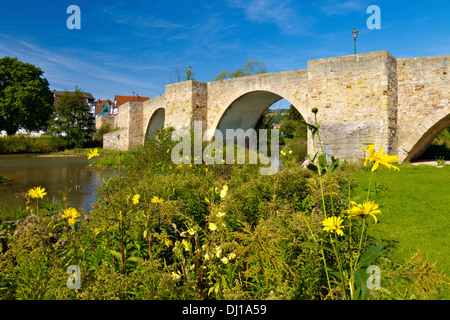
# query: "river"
{"type": "Point", "coordinates": [62, 174]}
{"type": "Point", "coordinates": [57, 174]}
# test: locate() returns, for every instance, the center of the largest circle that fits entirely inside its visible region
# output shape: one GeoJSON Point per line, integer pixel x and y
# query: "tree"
{"type": "Point", "coordinates": [72, 119]}
{"type": "Point", "coordinates": [294, 124]}
{"type": "Point", "coordinates": [250, 68]}
{"type": "Point", "coordinates": [25, 98]}
{"type": "Point", "coordinates": [293, 114]}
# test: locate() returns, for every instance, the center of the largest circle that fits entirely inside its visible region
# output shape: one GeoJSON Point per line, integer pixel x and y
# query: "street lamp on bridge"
{"type": "Point", "coordinates": [355, 34]}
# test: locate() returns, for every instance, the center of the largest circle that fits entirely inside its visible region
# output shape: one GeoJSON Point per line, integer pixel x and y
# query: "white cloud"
{"type": "Point", "coordinates": [65, 70]}
{"type": "Point", "coordinates": [275, 12]}
{"type": "Point", "coordinates": [339, 7]}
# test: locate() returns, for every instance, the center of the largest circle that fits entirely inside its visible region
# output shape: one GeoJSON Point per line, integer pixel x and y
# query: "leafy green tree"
{"type": "Point", "coordinates": [25, 98]}
{"type": "Point", "coordinates": [72, 119]}
{"type": "Point", "coordinates": [250, 68]}
{"type": "Point", "coordinates": [289, 127]}
{"type": "Point", "coordinates": [293, 114]}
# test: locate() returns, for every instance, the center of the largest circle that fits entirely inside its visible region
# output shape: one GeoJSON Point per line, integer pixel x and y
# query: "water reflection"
{"type": "Point", "coordinates": [61, 174]}
{"type": "Point", "coordinates": [57, 174]}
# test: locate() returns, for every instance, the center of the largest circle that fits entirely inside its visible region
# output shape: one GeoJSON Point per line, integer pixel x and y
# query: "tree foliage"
{"type": "Point", "coordinates": [25, 98]}
{"type": "Point", "coordinates": [72, 119]}
{"type": "Point", "coordinates": [250, 68]}
{"type": "Point", "coordinates": [294, 124]}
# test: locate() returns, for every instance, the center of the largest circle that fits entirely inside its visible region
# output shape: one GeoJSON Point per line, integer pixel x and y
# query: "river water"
{"type": "Point", "coordinates": [61, 174]}
{"type": "Point", "coordinates": [57, 174]}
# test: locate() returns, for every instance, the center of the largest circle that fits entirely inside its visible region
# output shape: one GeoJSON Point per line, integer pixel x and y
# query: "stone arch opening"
{"type": "Point", "coordinates": [421, 139]}
{"type": "Point", "coordinates": [156, 122]}
{"type": "Point", "coordinates": [245, 111]}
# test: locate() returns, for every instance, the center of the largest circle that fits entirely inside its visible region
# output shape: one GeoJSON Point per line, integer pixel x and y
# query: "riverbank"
{"type": "Point", "coordinates": [21, 143]}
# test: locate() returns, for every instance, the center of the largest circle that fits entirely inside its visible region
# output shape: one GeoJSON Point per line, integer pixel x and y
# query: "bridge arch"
{"type": "Point", "coordinates": [157, 119]}
{"type": "Point", "coordinates": [425, 132]}
{"type": "Point", "coordinates": [243, 110]}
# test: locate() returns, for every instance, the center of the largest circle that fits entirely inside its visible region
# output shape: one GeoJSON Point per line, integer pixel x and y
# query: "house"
{"type": "Point", "coordinates": [120, 100]}
{"type": "Point", "coordinates": [103, 107]}
{"type": "Point", "coordinates": [90, 100]}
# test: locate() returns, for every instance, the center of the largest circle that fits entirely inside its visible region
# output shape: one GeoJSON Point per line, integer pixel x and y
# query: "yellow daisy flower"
{"type": "Point", "coordinates": [156, 199]}
{"type": "Point", "coordinates": [333, 224]}
{"type": "Point", "coordinates": [136, 198]}
{"type": "Point", "coordinates": [93, 153]}
{"type": "Point", "coordinates": [367, 208]}
{"type": "Point", "coordinates": [379, 158]}
{"type": "Point", "coordinates": [37, 192]}
{"type": "Point", "coordinates": [71, 214]}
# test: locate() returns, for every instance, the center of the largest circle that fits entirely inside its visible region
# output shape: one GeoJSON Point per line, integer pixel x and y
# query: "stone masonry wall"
{"type": "Point", "coordinates": [104, 121]}
{"type": "Point", "coordinates": [116, 140]}
{"type": "Point", "coordinates": [356, 98]}
{"type": "Point", "coordinates": [424, 95]}
{"type": "Point", "coordinates": [149, 107]}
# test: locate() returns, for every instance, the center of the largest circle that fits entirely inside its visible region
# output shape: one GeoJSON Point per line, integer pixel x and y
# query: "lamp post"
{"type": "Point", "coordinates": [355, 34]}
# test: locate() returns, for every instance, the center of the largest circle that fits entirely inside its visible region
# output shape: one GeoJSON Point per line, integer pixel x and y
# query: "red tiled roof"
{"type": "Point", "coordinates": [124, 99]}
{"type": "Point", "coordinates": [100, 104]}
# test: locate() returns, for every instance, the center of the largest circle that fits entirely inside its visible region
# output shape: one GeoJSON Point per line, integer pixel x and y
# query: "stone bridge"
{"type": "Point", "coordinates": [400, 104]}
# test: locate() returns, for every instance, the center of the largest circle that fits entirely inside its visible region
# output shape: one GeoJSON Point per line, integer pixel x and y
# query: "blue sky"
{"type": "Point", "coordinates": [126, 46]}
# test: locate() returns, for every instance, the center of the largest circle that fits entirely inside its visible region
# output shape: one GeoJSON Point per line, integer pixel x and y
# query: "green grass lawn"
{"type": "Point", "coordinates": [415, 203]}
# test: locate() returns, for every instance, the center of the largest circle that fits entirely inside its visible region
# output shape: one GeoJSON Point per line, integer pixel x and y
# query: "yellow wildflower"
{"type": "Point", "coordinates": [212, 226]}
{"type": "Point", "coordinates": [367, 208]}
{"type": "Point", "coordinates": [333, 224]}
{"type": "Point", "coordinates": [379, 158]}
{"type": "Point", "coordinates": [191, 231]}
{"type": "Point", "coordinates": [186, 244]}
{"type": "Point", "coordinates": [136, 198]}
{"type": "Point", "coordinates": [37, 192]}
{"type": "Point", "coordinates": [168, 242]}
{"type": "Point", "coordinates": [220, 214]}
{"type": "Point", "coordinates": [156, 199]}
{"type": "Point", "coordinates": [224, 260]}
{"type": "Point", "coordinates": [71, 214]}
{"type": "Point", "coordinates": [176, 275]}
{"type": "Point", "coordinates": [231, 256]}
{"type": "Point", "coordinates": [93, 153]}
{"type": "Point", "coordinates": [218, 252]}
